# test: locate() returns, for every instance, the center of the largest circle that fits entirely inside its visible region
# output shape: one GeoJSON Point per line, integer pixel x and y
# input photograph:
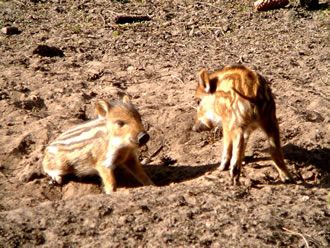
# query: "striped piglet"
{"type": "Point", "coordinates": [100, 145]}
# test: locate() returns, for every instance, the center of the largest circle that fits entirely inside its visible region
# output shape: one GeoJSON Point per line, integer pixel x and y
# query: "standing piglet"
{"type": "Point", "coordinates": [241, 100]}
{"type": "Point", "coordinates": [100, 145]}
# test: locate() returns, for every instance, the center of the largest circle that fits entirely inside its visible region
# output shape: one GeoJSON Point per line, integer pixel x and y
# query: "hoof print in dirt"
{"type": "Point", "coordinates": [312, 116]}
{"type": "Point", "coordinates": [123, 19]}
{"type": "Point", "coordinates": [10, 30]}
{"type": "Point", "coordinates": [23, 144]}
{"type": "Point", "coordinates": [34, 103]}
{"type": "Point", "coordinates": [48, 51]}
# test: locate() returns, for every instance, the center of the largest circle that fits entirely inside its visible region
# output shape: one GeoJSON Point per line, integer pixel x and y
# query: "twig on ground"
{"type": "Point", "coordinates": [216, 28]}
{"type": "Point", "coordinates": [211, 27]}
{"type": "Point", "coordinates": [210, 5]}
{"type": "Point", "coordinates": [190, 105]}
{"type": "Point", "coordinates": [298, 234]}
{"type": "Point", "coordinates": [149, 159]}
{"type": "Point", "coordinates": [19, 2]}
{"type": "Point", "coordinates": [157, 151]}
{"type": "Point", "coordinates": [241, 60]}
{"type": "Point", "coordinates": [104, 23]}
{"type": "Point", "coordinates": [177, 78]}
{"type": "Point", "coordinates": [112, 12]}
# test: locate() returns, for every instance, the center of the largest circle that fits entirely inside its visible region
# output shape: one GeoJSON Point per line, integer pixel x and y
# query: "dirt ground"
{"type": "Point", "coordinates": [100, 54]}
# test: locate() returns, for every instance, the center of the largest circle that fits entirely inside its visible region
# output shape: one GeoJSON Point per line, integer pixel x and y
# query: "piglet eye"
{"type": "Point", "coordinates": [198, 101]}
{"type": "Point", "coordinates": [120, 123]}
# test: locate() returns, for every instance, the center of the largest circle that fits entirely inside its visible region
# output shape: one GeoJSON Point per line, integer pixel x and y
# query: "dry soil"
{"type": "Point", "coordinates": [152, 50]}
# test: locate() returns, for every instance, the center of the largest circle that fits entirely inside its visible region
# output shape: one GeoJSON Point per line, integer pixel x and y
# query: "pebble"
{"type": "Point", "coordinates": [10, 30]}
{"type": "Point", "coordinates": [305, 198]}
{"type": "Point", "coordinates": [308, 175]}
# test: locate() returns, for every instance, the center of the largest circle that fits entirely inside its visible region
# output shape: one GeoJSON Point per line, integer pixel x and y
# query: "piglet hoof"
{"type": "Point", "coordinates": [110, 189]}
{"type": "Point", "coordinates": [288, 180]}
{"type": "Point", "coordinates": [235, 181]}
{"type": "Point", "coordinates": [286, 177]}
{"type": "Point", "coordinates": [223, 166]}
{"type": "Point", "coordinates": [235, 178]}
{"type": "Point", "coordinates": [57, 180]}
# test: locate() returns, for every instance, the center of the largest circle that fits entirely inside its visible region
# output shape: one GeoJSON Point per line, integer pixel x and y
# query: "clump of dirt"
{"type": "Point", "coordinates": [155, 60]}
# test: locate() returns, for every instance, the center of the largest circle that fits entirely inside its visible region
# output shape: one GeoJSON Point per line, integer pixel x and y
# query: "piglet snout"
{"type": "Point", "coordinates": [143, 138]}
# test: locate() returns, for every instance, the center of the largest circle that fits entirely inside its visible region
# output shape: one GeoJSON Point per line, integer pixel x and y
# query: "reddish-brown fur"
{"type": "Point", "coordinates": [242, 101]}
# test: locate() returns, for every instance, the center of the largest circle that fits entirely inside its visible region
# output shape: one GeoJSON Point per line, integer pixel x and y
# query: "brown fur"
{"type": "Point", "coordinates": [242, 101]}
{"type": "Point", "coordinates": [100, 145]}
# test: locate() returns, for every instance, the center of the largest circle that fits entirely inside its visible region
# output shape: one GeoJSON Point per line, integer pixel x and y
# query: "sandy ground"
{"type": "Point", "coordinates": [155, 60]}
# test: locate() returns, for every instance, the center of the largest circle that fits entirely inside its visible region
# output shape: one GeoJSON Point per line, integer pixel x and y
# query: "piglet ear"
{"type": "Point", "coordinates": [127, 99]}
{"type": "Point", "coordinates": [204, 81]}
{"type": "Point", "coordinates": [102, 109]}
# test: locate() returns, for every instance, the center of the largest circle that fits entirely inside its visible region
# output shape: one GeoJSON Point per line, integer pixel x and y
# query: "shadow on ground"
{"type": "Point", "coordinates": [317, 157]}
{"type": "Point", "coordinates": [164, 175]}
{"type": "Point", "coordinates": [161, 175]}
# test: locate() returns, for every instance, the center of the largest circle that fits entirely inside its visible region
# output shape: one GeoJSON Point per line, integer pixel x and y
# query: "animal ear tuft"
{"type": "Point", "coordinates": [204, 80]}
{"type": "Point", "coordinates": [102, 109]}
{"type": "Point", "coordinates": [126, 99]}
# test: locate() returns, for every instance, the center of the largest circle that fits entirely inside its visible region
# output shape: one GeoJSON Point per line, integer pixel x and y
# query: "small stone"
{"type": "Point", "coordinates": [131, 69]}
{"type": "Point", "coordinates": [10, 30]}
{"type": "Point", "coordinates": [140, 228]}
{"type": "Point", "coordinates": [308, 175]}
{"type": "Point", "coordinates": [305, 198]}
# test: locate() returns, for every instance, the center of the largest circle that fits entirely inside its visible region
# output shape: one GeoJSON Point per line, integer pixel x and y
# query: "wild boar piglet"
{"type": "Point", "coordinates": [240, 100]}
{"type": "Point", "coordinates": [100, 145]}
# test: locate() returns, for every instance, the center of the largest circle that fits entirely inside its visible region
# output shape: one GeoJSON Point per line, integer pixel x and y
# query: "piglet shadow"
{"type": "Point", "coordinates": [317, 157]}
{"type": "Point", "coordinates": [161, 175]}
{"type": "Point", "coordinates": [165, 175]}
{"type": "Point", "coordinates": [85, 179]}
